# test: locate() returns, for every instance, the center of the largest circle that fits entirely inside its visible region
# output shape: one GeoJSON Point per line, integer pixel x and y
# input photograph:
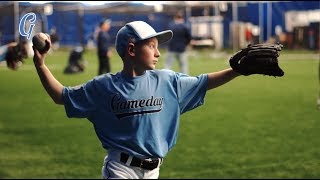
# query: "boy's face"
{"type": "Point", "coordinates": [147, 54]}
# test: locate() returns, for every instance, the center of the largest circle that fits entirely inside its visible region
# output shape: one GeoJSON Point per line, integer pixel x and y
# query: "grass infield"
{"type": "Point", "coordinates": [253, 127]}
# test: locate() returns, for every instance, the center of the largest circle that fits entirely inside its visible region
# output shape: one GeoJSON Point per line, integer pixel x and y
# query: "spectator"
{"type": "Point", "coordinates": [311, 39]}
{"type": "Point", "coordinates": [54, 38]}
{"type": "Point", "coordinates": [318, 100]}
{"type": "Point", "coordinates": [14, 53]}
{"type": "Point", "coordinates": [248, 34]}
{"type": "Point", "coordinates": [104, 51]}
{"type": "Point", "coordinates": [76, 62]}
{"type": "Point", "coordinates": [178, 43]}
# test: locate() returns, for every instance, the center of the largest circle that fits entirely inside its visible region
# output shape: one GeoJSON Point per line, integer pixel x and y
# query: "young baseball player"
{"type": "Point", "coordinates": [135, 112]}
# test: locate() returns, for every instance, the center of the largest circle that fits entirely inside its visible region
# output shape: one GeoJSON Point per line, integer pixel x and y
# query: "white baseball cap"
{"type": "Point", "coordinates": [138, 31]}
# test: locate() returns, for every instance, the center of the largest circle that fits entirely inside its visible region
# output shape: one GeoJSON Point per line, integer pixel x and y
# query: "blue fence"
{"type": "Point", "coordinates": [74, 29]}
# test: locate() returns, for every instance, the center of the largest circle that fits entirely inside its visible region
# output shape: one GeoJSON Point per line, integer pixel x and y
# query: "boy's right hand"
{"type": "Point", "coordinates": [38, 58]}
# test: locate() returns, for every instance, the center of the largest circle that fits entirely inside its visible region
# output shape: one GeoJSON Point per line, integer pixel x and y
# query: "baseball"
{"type": "Point", "coordinates": [39, 41]}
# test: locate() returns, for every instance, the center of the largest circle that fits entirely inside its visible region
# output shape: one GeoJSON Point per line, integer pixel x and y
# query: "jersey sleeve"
{"type": "Point", "coordinates": [83, 100]}
{"type": "Point", "coordinates": [191, 91]}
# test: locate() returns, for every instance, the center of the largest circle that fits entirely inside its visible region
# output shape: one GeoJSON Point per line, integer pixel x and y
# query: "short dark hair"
{"type": "Point", "coordinates": [105, 21]}
{"type": "Point", "coordinates": [179, 15]}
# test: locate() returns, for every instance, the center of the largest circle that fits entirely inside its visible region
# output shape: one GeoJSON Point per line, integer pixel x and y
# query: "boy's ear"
{"type": "Point", "coordinates": [131, 49]}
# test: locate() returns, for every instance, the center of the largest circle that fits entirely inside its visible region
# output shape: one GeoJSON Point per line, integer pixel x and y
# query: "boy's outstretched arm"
{"type": "Point", "coordinates": [219, 78]}
{"type": "Point", "coordinates": [50, 83]}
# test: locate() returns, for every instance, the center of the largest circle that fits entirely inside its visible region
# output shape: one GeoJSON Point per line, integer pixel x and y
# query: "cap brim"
{"type": "Point", "coordinates": [162, 36]}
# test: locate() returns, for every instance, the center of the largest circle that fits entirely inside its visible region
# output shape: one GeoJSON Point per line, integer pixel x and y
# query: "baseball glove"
{"type": "Point", "coordinates": [15, 55]}
{"type": "Point", "coordinates": [257, 59]}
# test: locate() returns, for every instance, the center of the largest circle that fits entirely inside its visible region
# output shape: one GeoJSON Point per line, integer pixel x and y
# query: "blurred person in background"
{"type": "Point", "coordinates": [104, 43]}
{"type": "Point", "coordinates": [14, 53]}
{"type": "Point", "coordinates": [318, 100]}
{"type": "Point", "coordinates": [178, 44]}
{"type": "Point", "coordinates": [248, 33]}
{"type": "Point", "coordinates": [76, 62]}
{"type": "Point", "coordinates": [54, 38]}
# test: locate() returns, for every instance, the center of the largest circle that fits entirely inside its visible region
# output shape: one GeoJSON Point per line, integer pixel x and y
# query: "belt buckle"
{"type": "Point", "coordinates": [146, 161]}
{"type": "Point", "coordinates": [141, 163]}
{"type": "Point", "coordinates": [149, 164]}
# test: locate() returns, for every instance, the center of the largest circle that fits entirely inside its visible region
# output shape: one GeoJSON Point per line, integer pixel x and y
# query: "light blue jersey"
{"type": "Point", "coordinates": [138, 115]}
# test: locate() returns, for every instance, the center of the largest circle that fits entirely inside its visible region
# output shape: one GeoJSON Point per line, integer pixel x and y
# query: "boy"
{"type": "Point", "coordinates": [135, 112]}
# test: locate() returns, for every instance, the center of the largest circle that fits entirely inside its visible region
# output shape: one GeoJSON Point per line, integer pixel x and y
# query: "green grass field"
{"type": "Point", "coordinates": [253, 127]}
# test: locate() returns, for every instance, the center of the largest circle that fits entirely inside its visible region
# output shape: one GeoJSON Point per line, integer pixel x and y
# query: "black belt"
{"type": "Point", "coordinates": [144, 164]}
